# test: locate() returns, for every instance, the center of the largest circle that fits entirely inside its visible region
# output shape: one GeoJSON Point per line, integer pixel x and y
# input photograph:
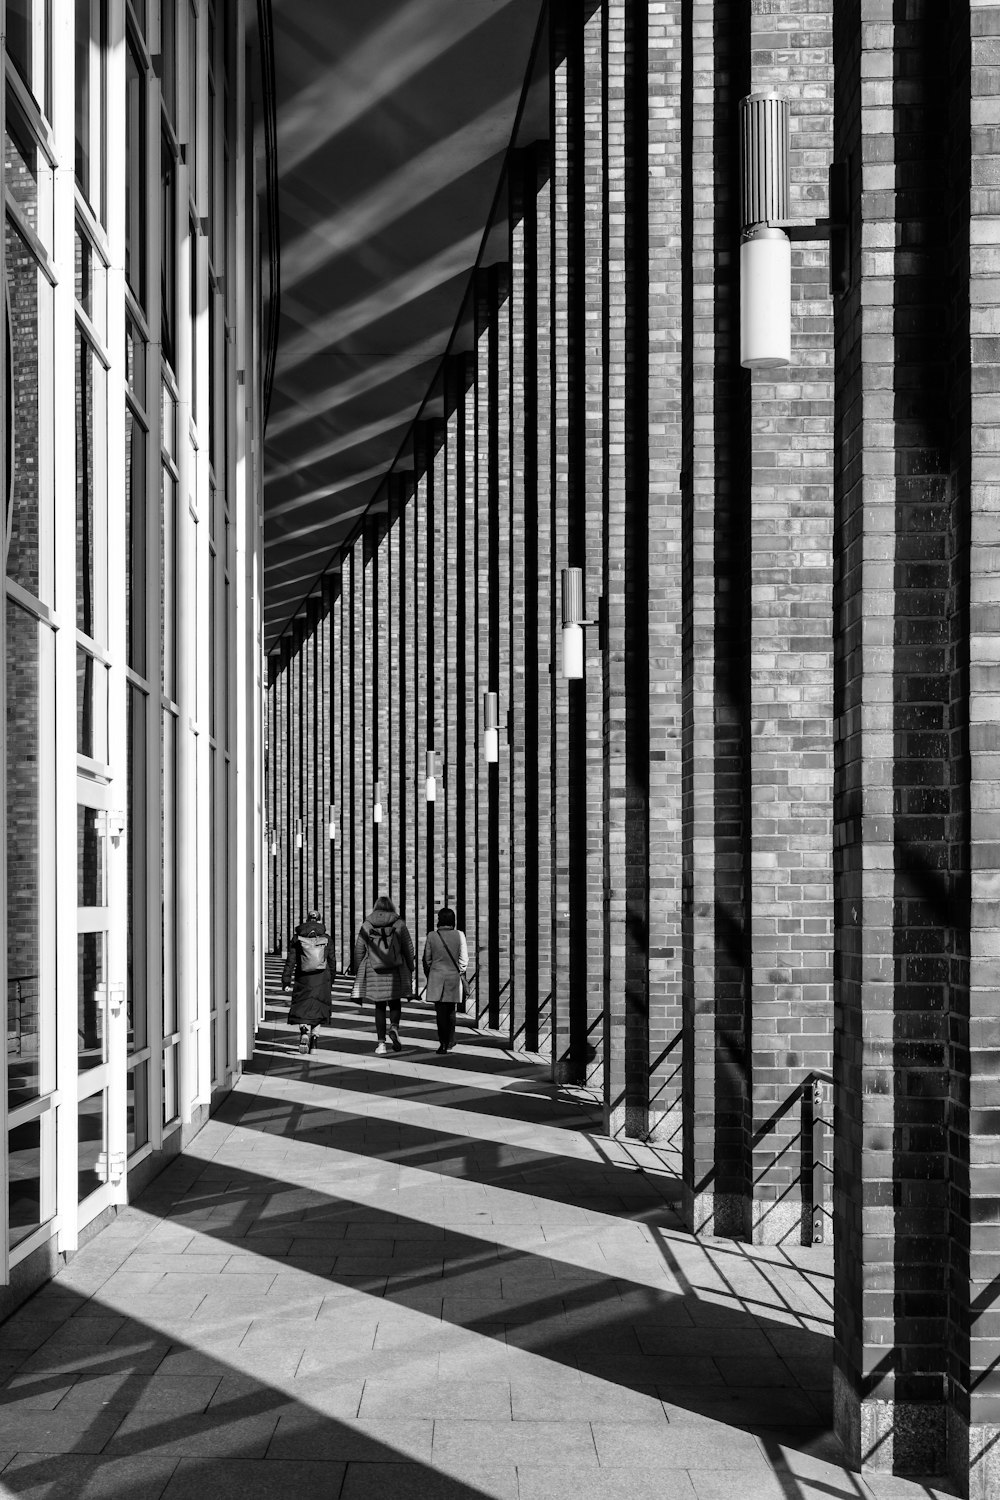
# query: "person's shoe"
{"type": "Point", "coordinates": [381, 1050]}
{"type": "Point", "coordinates": [312, 1040]}
{"type": "Point", "coordinates": [441, 1051]}
{"type": "Point", "coordinates": [397, 1045]}
{"type": "Point", "coordinates": [303, 1040]}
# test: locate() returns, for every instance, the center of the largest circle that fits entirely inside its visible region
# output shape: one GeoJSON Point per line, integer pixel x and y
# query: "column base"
{"type": "Point", "coordinates": [891, 1437]}
{"type": "Point", "coordinates": [720, 1214]}
{"type": "Point", "coordinates": [786, 1223]}
{"type": "Point", "coordinates": [626, 1122]}
{"type": "Point", "coordinates": [974, 1457]}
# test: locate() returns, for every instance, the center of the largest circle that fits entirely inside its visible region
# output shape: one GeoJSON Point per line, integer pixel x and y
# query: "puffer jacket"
{"type": "Point", "coordinates": [395, 984]}
{"type": "Point", "coordinates": [311, 992]}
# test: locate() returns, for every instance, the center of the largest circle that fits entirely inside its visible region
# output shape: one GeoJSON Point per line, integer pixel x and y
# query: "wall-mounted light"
{"type": "Point", "coordinates": [431, 773]}
{"type": "Point", "coordinates": [333, 822]}
{"type": "Point", "coordinates": [572, 622]}
{"type": "Point", "coordinates": [377, 809]}
{"type": "Point", "coordinates": [299, 834]}
{"type": "Point", "coordinates": [767, 232]}
{"type": "Point", "coordinates": [491, 727]}
{"type": "Point", "coordinates": [272, 839]}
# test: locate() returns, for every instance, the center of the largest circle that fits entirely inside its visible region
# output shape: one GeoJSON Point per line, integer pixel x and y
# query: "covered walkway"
{"type": "Point", "coordinates": [424, 1277]}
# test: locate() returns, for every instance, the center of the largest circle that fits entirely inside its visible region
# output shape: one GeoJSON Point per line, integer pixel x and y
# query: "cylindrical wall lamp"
{"type": "Point", "coordinates": [491, 727]}
{"type": "Point", "coordinates": [431, 770]}
{"type": "Point", "coordinates": [765, 250]}
{"type": "Point", "coordinates": [272, 839]}
{"type": "Point", "coordinates": [572, 622]}
{"type": "Point", "coordinates": [333, 822]}
{"type": "Point", "coordinates": [377, 809]}
{"type": "Point", "coordinates": [299, 835]}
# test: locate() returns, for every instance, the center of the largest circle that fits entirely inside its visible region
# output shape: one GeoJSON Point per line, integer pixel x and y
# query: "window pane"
{"type": "Point", "coordinates": [167, 842]}
{"type": "Point", "coordinates": [30, 431]}
{"type": "Point", "coordinates": [92, 1148]}
{"type": "Point", "coordinates": [136, 852]}
{"type": "Point", "coordinates": [85, 531]}
{"type": "Point", "coordinates": [135, 541]}
{"type": "Point", "coordinates": [135, 176]}
{"type": "Point", "coordinates": [90, 859]}
{"type": "Point", "coordinates": [29, 859]}
{"type": "Point", "coordinates": [82, 96]}
{"type": "Point", "coordinates": [27, 31]}
{"type": "Point", "coordinates": [92, 1042]}
{"type": "Point", "coordinates": [91, 706]}
{"type": "Point", "coordinates": [171, 1107]}
{"type": "Point", "coordinates": [24, 1193]}
{"type": "Point", "coordinates": [137, 1108]}
{"type": "Point", "coordinates": [168, 522]}
{"type": "Point", "coordinates": [167, 250]}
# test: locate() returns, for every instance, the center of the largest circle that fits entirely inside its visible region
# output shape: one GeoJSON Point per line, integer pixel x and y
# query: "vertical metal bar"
{"type": "Point", "coordinates": [817, 1161]}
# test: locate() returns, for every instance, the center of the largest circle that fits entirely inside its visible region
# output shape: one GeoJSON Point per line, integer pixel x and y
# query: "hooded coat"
{"type": "Point", "coordinates": [396, 983]}
{"type": "Point", "coordinates": [311, 997]}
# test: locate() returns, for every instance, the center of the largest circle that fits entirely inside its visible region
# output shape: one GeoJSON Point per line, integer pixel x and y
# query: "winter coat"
{"type": "Point", "coordinates": [390, 985]}
{"type": "Point", "coordinates": [311, 1000]}
{"type": "Point", "coordinates": [444, 985]}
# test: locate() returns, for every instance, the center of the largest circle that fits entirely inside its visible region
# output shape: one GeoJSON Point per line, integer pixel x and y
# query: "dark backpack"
{"type": "Point", "coordinates": [383, 949]}
{"type": "Point", "coordinates": [312, 954]}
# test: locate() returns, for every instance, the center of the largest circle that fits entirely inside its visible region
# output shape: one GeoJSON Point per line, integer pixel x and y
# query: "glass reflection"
{"type": "Point", "coordinates": [92, 1044]}
{"type": "Point", "coordinates": [92, 1147]}
{"type": "Point", "coordinates": [24, 1193]}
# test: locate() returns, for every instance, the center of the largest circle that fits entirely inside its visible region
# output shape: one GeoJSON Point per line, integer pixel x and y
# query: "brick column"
{"type": "Point", "coordinates": [523, 763]}
{"type": "Point", "coordinates": [540, 600]}
{"type": "Point", "coordinates": [384, 678]}
{"type": "Point", "coordinates": [406, 900]}
{"type": "Point", "coordinates": [360, 799]}
{"type": "Point", "coordinates": [569, 1034]}
{"type": "Point", "coordinates": [437, 671]}
{"type": "Point", "coordinates": [419, 509]}
{"type": "Point", "coordinates": [455, 645]}
{"type": "Point", "coordinates": [590, 296]}
{"type": "Point", "coordinates": [324, 791]}
{"type": "Point", "coordinates": [476, 627]}
{"type": "Point", "coordinates": [500, 637]}
{"type": "Point", "coordinates": [488, 665]}
{"type": "Point", "coordinates": [468, 684]}
{"type": "Point", "coordinates": [901, 772]}
{"type": "Point", "coordinates": [974, 172]}
{"type": "Point", "coordinates": [714, 950]}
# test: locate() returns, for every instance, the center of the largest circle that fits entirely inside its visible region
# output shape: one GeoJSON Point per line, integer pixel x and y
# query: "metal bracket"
{"type": "Point", "coordinates": [112, 997]}
{"type": "Point", "coordinates": [111, 824]}
{"type": "Point", "coordinates": [836, 229]}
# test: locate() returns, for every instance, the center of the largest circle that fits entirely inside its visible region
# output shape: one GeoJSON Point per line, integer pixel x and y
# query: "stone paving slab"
{"type": "Point", "coordinates": [383, 1277]}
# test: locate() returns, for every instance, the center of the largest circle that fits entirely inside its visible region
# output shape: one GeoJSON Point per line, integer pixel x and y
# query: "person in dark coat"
{"type": "Point", "coordinates": [311, 993]}
{"type": "Point", "coordinates": [383, 962]}
{"type": "Point", "coordinates": [445, 960]}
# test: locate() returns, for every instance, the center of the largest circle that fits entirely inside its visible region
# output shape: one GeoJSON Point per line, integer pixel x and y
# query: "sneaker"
{"type": "Point", "coordinates": [312, 1040]}
{"type": "Point", "coordinates": [303, 1040]}
{"type": "Point", "coordinates": [381, 1050]}
{"type": "Point", "coordinates": [397, 1045]}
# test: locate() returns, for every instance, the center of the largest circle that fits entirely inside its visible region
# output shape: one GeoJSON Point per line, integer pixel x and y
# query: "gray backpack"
{"type": "Point", "coordinates": [312, 954]}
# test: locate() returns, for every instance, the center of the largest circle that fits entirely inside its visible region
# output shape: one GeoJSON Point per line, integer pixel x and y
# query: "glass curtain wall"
{"type": "Point", "coordinates": [130, 301]}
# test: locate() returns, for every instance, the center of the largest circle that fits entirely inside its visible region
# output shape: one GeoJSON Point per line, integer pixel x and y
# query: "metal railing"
{"type": "Point", "coordinates": [22, 1011]}
{"type": "Point", "coordinates": [817, 1137]}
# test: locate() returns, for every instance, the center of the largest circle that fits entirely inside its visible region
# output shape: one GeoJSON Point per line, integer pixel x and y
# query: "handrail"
{"type": "Point", "coordinates": [813, 1124]}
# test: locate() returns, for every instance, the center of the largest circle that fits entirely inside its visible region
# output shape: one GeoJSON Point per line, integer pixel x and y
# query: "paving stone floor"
{"type": "Point", "coordinates": [419, 1277]}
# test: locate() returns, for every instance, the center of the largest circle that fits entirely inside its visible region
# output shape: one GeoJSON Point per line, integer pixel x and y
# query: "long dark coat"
{"type": "Point", "coordinates": [389, 986]}
{"type": "Point", "coordinates": [311, 999]}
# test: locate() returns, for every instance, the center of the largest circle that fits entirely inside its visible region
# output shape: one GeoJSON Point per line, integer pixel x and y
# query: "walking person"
{"type": "Point", "coordinates": [383, 962]}
{"type": "Point", "coordinates": [310, 965]}
{"type": "Point", "coordinates": [445, 960]}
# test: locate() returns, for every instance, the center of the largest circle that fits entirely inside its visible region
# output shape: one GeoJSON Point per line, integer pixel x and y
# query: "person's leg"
{"type": "Point", "coordinates": [441, 1016]}
{"type": "Point", "coordinates": [303, 1038]}
{"type": "Point", "coordinates": [449, 1024]}
{"type": "Point", "coordinates": [312, 1037]}
{"type": "Point", "coordinates": [380, 1021]}
{"type": "Point", "coordinates": [395, 1012]}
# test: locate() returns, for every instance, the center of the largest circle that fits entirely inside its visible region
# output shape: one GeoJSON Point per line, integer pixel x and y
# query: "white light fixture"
{"type": "Point", "coordinates": [573, 624]}
{"type": "Point", "coordinates": [333, 822]}
{"type": "Point", "coordinates": [377, 809]}
{"type": "Point", "coordinates": [491, 730]}
{"type": "Point", "coordinates": [431, 786]}
{"type": "Point", "coordinates": [273, 841]}
{"type": "Point", "coordinates": [767, 232]}
{"type": "Point", "coordinates": [299, 835]}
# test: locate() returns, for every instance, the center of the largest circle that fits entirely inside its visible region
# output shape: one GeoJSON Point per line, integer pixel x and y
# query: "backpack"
{"type": "Point", "coordinates": [383, 949]}
{"type": "Point", "coordinates": [312, 954]}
